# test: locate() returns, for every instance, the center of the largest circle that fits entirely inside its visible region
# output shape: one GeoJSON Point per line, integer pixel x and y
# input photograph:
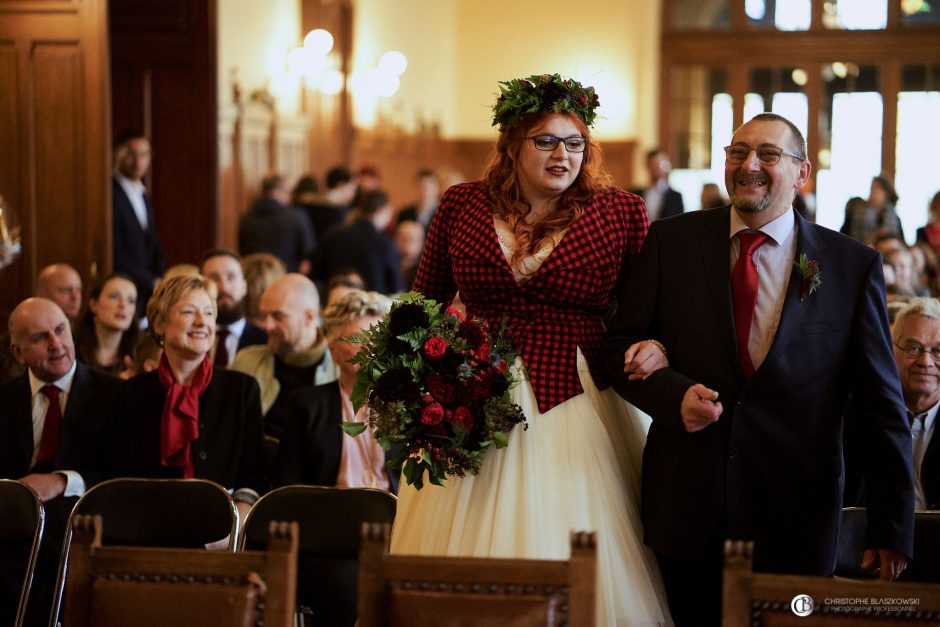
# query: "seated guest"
{"type": "Point", "coordinates": [295, 355]}
{"type": "Point", "coordinates": [61, 284]}
{"type": "Point", "coordinates": [260, 270]}
{"type": "Point", "coordinates": [144, 357]}
{"type": "Point", "coordinates": [314, 450]}
{"type": "Point", "coordinates": [233, 332]}
{"type": "Point", "coordinates": [916, 337]}
{"type": "Point", "coordinates": [108, 329]}
{"type": "Point", "coordinates": [188, 419]}
{"type": "Point", "coordinates": [342, 282]}
{"type": "Point", "coordinates": [54, 429]}
{"type": "Point", "coordinates": [362, 245]}
{"type": "Point", "coordinates": [409, 240]}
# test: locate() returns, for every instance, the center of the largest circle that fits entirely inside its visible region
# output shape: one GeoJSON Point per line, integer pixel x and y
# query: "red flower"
{"type": "Point", "coordinates": [482, 353]}
{"type": "Point", "coordinates": [453, 311]}
{"type": "Point", "coordinates": [501, 366]}
{"type": "Point", "coordinates": [432, 414]}
{"type": "Point", "coordinates": [473, 333]}
{"type": "Point", "coordinates": [462, 418]}
{"type": "Point", "coordinates": [438, 387]}
{"type": "Point", "coordinates": [435, 347]}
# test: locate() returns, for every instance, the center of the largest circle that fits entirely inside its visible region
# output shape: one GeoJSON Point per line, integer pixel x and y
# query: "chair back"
{"type": "Point", "coordinates": [180, 513]}
{"type": "Point", "coordinates": [21, 526]}
{"type": "Point", "coordinates": [751, 598]}
{"type": "Point", "coordinates": [925, 565]}
{"type": "Point", "coordinates": [111, 586]}
{"type": "Point", "coordinates": [469, 591]}
{"type": "Point", "coordinates": [330, 520]}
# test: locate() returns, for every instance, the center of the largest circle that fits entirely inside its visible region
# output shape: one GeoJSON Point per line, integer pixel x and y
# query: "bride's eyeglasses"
{"type": "Point", "coordinates": [575, 143]}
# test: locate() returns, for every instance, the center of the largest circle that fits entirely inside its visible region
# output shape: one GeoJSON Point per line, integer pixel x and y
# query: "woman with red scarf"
{"type": "Point", "coordinates": [187, 419]}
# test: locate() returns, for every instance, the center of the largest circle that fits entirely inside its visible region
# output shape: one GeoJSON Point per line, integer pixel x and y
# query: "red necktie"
{"type": "Point", "coordinates": [744, 294]}
{"type": "Point", "coordinates": [221, 351]}
{"type": "Point", "coordinates": [50, 428]}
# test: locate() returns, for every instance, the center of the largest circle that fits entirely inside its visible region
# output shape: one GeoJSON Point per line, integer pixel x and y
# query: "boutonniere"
{"type": "Point", "coordinates": [810, 275]}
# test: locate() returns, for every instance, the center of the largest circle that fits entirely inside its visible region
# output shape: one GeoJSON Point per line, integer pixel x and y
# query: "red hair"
{"type": "Point", "coordinates": [501, 178]}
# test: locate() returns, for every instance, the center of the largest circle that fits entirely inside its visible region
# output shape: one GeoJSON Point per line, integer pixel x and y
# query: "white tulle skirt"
{"type": "Point", "coordinates": [577, 467]}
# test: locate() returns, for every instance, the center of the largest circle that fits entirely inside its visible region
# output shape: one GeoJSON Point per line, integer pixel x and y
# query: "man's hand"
{"type": "Point", "coordinates": [700, 408]}
{"type": "Point", "coordinates": [891, 563]}
{"type": "Point", "coordinates": [643, 359]}
{"type": "Point", "coordinates": [47, 486]}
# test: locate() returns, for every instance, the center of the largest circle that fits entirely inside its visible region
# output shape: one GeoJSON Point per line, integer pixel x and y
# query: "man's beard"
{"type": "Point", "coordinates": [231, 313]}
{"type": "Point", "coordinates": [750, 206]}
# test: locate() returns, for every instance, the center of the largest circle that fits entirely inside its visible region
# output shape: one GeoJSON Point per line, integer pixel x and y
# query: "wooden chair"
{"type": "Point", "coordinates": [21, 527]}
{"type": "Point", "coordinates": [180, 513]}
{"type": "Point", "coordinates": [761, 599]}
{"type": "Point", "coordinates": [330, 520]}
{"type": "Point", "coordinates": [427, 590]}
{"type": "Point", "coordinates": [112, 586]}
{"type": "Point", "coordinates": [925, 565]}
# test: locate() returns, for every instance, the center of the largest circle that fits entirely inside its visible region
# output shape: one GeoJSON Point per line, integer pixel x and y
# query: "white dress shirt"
{"type": "Point", "coordinates": [774, 263]}
{"type": "Point", "coordinates": [921, 432]}
{"type": "Point", "coordinates": [74, 484]}
{"type": "Point", "coordinates": [135, 193]}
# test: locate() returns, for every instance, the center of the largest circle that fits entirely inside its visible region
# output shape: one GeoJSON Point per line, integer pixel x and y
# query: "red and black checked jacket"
{"type": "Point", "coordinates": [561, 307]}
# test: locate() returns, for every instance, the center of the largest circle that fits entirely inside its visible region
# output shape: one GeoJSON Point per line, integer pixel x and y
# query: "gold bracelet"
{"type": "Point", "coordinates": [659, 345]}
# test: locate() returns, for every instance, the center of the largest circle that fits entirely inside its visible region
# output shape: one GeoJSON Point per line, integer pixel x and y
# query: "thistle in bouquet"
{"type": "Point", "coordinates": [437, 387]}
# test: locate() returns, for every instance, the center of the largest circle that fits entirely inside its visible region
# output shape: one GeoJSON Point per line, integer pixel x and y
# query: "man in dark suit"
{"type": "Point", "coordinates": [233, 332]}
{"type": "Point", "coordinates": [135, 242]}
{"type": "Point", "coordinates": [746, 438]}
{"type": "Point", "coordinates": [661, 200]}
{"type": "Point", "coordinates": [54, 428]}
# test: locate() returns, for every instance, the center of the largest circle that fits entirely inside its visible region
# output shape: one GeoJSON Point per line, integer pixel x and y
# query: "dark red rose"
{"type": "Point", "coordinates": [480, 387]}
{"type": "Point", "coordinates": [482, 353]}
{"type": "Point", "coordinates": [462, 418]}
{"type": "Point", "coordinates": [435, 347]}
{"type": "Point", "coordinates": [427, 399]}
{"type": "Point", "coordinates": [438, 387]}
{"type": "Point", "coordinates": [472, 332]}
{"type": "Point", "coordinates": [432, 414]}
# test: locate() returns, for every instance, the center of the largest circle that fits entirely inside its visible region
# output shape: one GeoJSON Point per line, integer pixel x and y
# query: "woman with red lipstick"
{"type": "Point", "coordinates": [187, 419]}
{"type": "Point", "coordinates": [109, 327]}
{"type": "Point", "coordinates": [541, 242]}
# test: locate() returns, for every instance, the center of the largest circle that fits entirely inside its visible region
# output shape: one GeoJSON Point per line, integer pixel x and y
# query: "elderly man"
{"type": "Point", "coordinates": [916, 337]}
{"type": "Point", "coordinates": [295, 355]}
{"type": "Point", "coordinates": [53, 427]}
{"type": "Point", "coordinates": [233, 332]}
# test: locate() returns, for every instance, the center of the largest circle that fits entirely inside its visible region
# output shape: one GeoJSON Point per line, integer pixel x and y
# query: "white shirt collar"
{"type": "Point", "coordinates": [64, 384]}
{"type": "Point", "coordinates": [237, 328]}
{"type": "Point", "coordinates": [780, 229]}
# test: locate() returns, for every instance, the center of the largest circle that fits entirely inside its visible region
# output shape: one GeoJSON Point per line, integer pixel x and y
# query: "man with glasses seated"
{"type": "Point", "coordinates": [916, 337]}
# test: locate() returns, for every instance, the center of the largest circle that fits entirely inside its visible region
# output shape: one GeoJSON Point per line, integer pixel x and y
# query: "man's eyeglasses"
{"type": "Point", "coordinates": [914, 351]}
{"type": "Point", "coordinates": [768, 155]}
{"type": "Point", "coordinates": [575, 143]}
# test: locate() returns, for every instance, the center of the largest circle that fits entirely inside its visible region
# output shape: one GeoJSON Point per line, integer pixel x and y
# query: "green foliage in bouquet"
{"type": "Point", "coordinates": [437, 387]}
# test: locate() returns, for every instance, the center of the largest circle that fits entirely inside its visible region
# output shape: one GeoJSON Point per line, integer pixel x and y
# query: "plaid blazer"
{"type": "Point", "coordinates": [562, 306]}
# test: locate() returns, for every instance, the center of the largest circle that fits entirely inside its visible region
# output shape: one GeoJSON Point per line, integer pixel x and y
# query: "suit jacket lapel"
{"type": "Point", "coordinates": [717, 265]}
{"type": "Point", "coordinates": [23, 412]}
{"type": "Point", "coordinates": [794, 310]}
{"type": "Point", "coordinates": [79, 395]}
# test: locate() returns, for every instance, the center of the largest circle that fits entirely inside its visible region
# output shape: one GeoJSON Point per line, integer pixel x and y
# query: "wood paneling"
{"type": "Point", "coordinates": [163, 72]}
{"type": "Point", "coordinates": [53, 119]}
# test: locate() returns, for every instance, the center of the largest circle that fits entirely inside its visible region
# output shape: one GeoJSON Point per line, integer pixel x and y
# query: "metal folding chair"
{"type": "Point", "coordinates": [21, 526]}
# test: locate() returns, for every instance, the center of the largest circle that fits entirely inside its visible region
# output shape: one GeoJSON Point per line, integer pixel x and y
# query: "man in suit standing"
{"type": "Point", "coordinates": [770, 322]}
{"type": "Point", "coordinates": [135, 242]}
{"type": "Point", "coordinates": [54, 428]}
{"type": "Point", "coordinates": [661, 200]}
{"type": "Point", "coordinates": [233, 332]}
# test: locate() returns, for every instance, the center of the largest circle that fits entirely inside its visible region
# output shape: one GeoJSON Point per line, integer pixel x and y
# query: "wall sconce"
{"type": "Point", "coordinates": [383, 80]}
{"type": "Point", "coordinates": [10, 244]}
{"type": "Point", "coordinates": [313, 62]}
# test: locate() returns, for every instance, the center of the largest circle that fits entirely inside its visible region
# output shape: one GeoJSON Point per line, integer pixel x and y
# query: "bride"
{"type": "Point", "coordinates": [543, 241]}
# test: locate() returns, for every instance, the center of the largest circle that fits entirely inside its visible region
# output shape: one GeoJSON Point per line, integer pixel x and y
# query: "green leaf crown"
{"type": "Point", "coordinates": [543, 92]}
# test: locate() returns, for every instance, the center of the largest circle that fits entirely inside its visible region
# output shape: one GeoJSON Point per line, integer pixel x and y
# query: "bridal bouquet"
{"type": "Point", "coordinates": [437, 385]}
